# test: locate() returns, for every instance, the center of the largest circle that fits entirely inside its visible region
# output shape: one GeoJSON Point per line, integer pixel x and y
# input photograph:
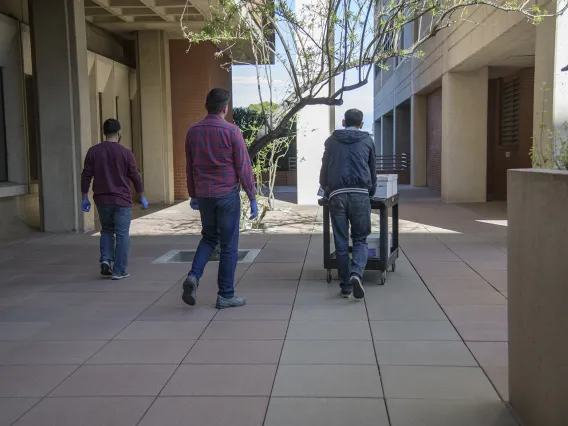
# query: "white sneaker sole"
{"type": "Point", "coordinates": [358, 289]}
{"type": "Point", "coordinates": [119, 277]}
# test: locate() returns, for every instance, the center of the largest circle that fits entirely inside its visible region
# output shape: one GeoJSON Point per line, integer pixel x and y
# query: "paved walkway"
{"type": "Point", "coordinates": [427, 349]}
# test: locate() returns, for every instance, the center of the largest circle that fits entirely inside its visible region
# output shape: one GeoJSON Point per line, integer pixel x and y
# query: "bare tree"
{"type": "Point", "coordinates": [320, 42]}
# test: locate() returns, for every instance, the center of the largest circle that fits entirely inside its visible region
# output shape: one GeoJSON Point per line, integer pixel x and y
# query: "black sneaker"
{"type": "Point", "coordinates": [346, 294]}
{"type": "Point", "coordinates": [106, 269]}
{"type": "Point", "coordinates": [190, 290]}
{"type": "Point", "coordinates": [358, 289]}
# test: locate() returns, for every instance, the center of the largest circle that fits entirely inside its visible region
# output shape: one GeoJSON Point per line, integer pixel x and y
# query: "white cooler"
{"type": "Point", "coordinates": [387, 186]}
{"type": "Point", "coordinates": [373, 242]}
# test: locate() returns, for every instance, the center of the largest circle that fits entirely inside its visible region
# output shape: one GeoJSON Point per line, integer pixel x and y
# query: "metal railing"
{"type": "Point", "coordinates": [399, 162]}
{"type": "Point", "coordinates": [292, 163]}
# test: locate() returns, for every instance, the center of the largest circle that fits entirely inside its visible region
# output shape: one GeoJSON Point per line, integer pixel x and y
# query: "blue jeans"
{"type": "Point", "coordinates": [220, 219]}
{"type": "Point", "coordinates": [355, 210]}
{"type": "Point", "coordinates": [115, 221]}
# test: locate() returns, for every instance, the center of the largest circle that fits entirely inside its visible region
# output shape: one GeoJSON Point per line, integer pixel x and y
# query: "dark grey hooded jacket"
{"type": "Point", "coordinates": [348, 163]}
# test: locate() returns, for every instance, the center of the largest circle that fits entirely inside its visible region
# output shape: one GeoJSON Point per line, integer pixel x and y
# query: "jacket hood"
{"type": "Point", "coordinates": [350, 136]}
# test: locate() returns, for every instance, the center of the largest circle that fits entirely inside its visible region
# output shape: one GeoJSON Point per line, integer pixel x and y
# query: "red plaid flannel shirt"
{"type": "Point", "coordinates": [217, 160]}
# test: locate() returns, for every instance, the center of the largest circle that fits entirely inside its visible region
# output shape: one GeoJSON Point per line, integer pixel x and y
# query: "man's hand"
{"type": "Point", "coordinates": [253, 209]}
{"type": "Point", "coordinates": [144, 202]}
{"type": "Point", "coordinates": [86, 205]}
{"type": "Point", "coordinates": [194, 204]}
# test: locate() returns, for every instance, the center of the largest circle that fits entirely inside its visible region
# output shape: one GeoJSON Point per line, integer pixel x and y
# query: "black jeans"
{"type": "Point", "coordinates": [355, 210]}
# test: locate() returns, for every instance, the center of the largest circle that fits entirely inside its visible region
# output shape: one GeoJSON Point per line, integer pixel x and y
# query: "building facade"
{"type": "Point", "coordinates": [467, 111]}
{"type": "Point", "coordinates": [68, 65]}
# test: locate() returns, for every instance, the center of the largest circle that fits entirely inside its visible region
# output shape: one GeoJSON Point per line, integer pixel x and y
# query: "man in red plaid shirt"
{"type": "Point", "coordinates": [217, 161]}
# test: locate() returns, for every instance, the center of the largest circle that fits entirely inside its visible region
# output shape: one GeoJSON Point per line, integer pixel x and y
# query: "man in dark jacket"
{"type": "Point", "coordinates": [348, 177]}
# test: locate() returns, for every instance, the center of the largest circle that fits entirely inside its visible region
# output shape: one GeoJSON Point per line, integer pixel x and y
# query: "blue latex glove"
{"type": "Point", "coordinates": [194, 204]}
{"type": "Point", "coordinates": [144, 202]}
{"type": "Point", "coordinates": [253, 209]}
{"type": "Point", "coordinates": [86, 205]}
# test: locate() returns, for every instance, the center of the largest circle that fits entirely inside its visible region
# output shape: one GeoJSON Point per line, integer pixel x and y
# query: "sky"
{"type": "Point", "coordinates": [245, 91]}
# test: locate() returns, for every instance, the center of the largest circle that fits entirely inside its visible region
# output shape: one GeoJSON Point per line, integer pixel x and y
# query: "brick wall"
{"type": "Point", "coordinates": [434, 141]}
{"type": "Point", "coordinates": [193, 74]}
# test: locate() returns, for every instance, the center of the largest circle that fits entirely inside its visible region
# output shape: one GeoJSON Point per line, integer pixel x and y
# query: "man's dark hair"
{"type": "Point", "coordinates": [353, 118]}
{"type": "Point", "coordinates": [111, 127]}
{"type": "Point", "coordinates": [217, 99]}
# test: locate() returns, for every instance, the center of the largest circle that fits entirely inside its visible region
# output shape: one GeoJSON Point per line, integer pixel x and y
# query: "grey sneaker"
{"type": "Point", "coordinates": [346, 293]}
{"type": "Point", "coordinates": [190, 290]}
{"type": "Point", "coordinates": [118, 277]}
{"type": "Point", "coordinates": [233, 302]}
{"type": "Point", "coordinates": [358, 289]}
{"type": "Point", "coordinates": [106, 269]}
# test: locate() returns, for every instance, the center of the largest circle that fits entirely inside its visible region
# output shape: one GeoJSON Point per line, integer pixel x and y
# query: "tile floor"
{"type": "Point", "coordinates": [427, 349]}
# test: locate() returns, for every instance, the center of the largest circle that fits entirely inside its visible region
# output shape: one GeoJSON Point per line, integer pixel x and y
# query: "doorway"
{"type": "Point", "coordinates": [509, 128]}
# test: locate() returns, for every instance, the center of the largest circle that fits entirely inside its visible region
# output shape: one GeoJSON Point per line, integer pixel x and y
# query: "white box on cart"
{"type": "Point", "coordinates": [373, 242]}
{"type": "Point", "coordinates": [387, 186]}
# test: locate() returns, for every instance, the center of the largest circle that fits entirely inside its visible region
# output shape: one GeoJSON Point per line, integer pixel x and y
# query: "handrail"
{"type": "Point", "coordinates": [397, 162]}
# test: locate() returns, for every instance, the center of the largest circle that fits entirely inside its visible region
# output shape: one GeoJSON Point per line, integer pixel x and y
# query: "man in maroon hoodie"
{"type": "Point", "coordinates": [113, 168]}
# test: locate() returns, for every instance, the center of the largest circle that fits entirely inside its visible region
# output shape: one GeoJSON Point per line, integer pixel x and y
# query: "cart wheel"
{"type": "Point", "coordinates": [393, 266]}
{"type": "Point", "coordinates": [383, 278]}
{"type": "Point", "coordinates": [329, 276]}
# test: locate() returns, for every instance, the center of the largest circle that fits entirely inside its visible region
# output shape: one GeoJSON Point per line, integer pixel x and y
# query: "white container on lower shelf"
{"type": "Point", "coordinates": [373, 242]}
{"type": "Point", "coordinates": [387, 186]}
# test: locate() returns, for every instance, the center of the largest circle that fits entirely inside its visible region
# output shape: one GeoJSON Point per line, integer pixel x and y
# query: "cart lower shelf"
{"type": "Point", "coordinates": [373, 264]}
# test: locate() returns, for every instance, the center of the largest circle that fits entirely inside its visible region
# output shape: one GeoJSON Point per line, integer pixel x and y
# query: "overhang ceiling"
{"type": "Point", "coordinates": [125, 16]}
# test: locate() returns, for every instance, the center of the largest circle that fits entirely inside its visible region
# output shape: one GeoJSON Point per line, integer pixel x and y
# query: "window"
{"type": "Point", "coordinates": [33, 153]}
{"type": "Point", "coordinates": [510, 109]}
{"type": "Point", "coordinates": [3, 148]}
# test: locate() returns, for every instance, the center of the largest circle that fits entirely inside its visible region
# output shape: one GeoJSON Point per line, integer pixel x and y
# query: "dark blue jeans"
{"type": "Point", "coordinates": [355, 210]}
{"type": "Point", "coordinates": [115, 222]}
{"type": "Point", "coordinates": [219, 226]}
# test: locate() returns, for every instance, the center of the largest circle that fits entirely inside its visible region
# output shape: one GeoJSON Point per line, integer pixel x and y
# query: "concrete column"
{"type": "Point", "coordinates": [464, 136]}
{"type": "Point", "coordinates": [60, 58]}
{"type": "Point", "coordinates": [156, 116]}
{"type": "Point", "coordinates": [550, 83]}
{"type": "Point", "coordinates": [418, 141]}
{"type": "Point", "coordinates": [387, 130]}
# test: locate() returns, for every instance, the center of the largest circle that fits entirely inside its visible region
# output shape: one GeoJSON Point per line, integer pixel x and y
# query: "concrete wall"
{"type": "Point", "coordinates": [537, 295]}
{"type": "Point", "coordinates": [479, 40]}
{"type": "Point", "coordinates": [13, 74]}
{"type": "Point", "coordinates": [17, 9]}
{"type": "Point", "coordinates": [193, 74]}
{"type": "Point", "coordinates": [16, 60]}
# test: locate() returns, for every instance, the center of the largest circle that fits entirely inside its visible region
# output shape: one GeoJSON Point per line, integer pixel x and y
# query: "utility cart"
{"type": "Point", "coordinates": [387, 255]}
